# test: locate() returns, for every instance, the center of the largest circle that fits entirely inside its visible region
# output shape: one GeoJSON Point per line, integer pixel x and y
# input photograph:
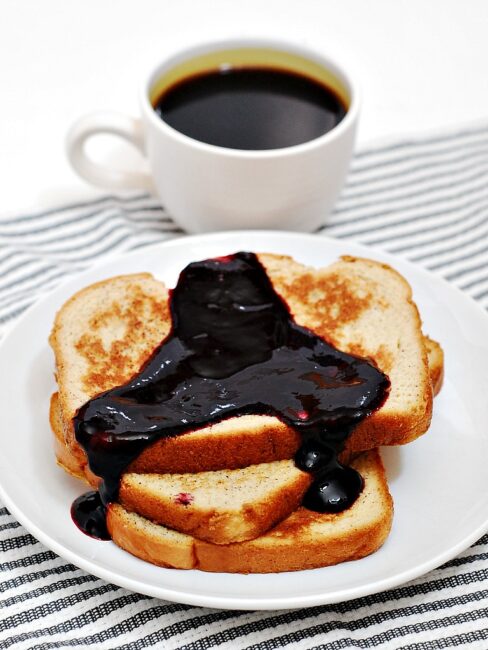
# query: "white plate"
{"type": "Point", "coordinates": [438, 482]}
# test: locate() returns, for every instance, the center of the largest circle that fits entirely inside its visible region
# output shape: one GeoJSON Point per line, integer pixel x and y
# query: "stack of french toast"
{"type": "Point", "coordinates": [228, 496]}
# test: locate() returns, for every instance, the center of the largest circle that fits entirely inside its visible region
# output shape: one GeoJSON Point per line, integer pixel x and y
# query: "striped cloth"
{"type": "Point", "coordinates": [425, 200]}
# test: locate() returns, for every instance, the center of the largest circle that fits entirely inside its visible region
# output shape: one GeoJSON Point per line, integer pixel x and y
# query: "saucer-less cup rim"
{"type": "Point", "coordinates": [323, 59]}
{"type": "Point", "coordinates": [132, 130]}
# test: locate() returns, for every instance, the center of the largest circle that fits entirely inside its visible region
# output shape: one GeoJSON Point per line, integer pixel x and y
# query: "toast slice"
{"type": "Point", "coordinates": [304, 540]}
{"type": "Point", "coordinates": [435, 357]}
{"type": "Point", "coordinates": [68, 461]}
{"type": "Point", "coordinates": [68, 456]}
{"type": "Point", "coordinates": [104, 333]}
{"type": "Point", "coordinates": [220, 507]}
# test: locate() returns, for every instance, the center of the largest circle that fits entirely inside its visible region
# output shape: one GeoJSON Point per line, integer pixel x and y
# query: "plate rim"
{"type": "Point", "coordinates": [244, 602]}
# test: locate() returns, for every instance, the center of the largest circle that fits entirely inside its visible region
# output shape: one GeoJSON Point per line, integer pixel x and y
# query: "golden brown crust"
{"type": "Point", "coordinates": [64, 454]}
{"type": "Point", "coordinates": [305, 540]}
{"type": "Point", "coordinates": [249, 442]}
{"type": "Point", "coordinates": [173, 550]}
{"type": "Point", "coordinates": [109, 367]}
{"type": "Point", "coordinates": [435, 356]}
{"type": "Point", "coordinates": [334, 302]}
{"type": "Point", "coordinates": [308, 540]}
{"type": "Point", "coordinates": [71, 458]}
{"type": "Point", "coordinates": [124, 318]}
{"type": "Point", "coordinates": [291, 552]}
{"type": "Point", "coordinates": [219, 507]}
{"type": "Point", "coordinates": [261, 439]}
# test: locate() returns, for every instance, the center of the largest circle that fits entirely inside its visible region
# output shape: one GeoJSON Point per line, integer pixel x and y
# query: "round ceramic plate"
{"type": "Point", "coordinates": [438, 482]}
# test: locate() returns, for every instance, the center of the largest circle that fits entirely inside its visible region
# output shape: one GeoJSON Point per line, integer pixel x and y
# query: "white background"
{"type": "Point", "coordinates": [422, 65]}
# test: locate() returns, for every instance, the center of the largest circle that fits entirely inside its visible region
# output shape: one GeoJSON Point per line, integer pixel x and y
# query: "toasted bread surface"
{"type": "Point", "coordinates": [103, 334]}
{"type": "Point", "coordinates": [228, 445]}
{"type": "Point", "coordinates": [364, 307]}
{"type": "Point", "coordinates": [220, 507]}
{"type": "Point", "coordinates": [151, 542]}
{"type": "Point", "coordinates": [64, 454]}
{"type": "Point", "coordinates": [304, 540]}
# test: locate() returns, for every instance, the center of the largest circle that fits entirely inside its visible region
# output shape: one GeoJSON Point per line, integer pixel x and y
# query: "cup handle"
{"type": "Point", "coordinates": [102, 123]}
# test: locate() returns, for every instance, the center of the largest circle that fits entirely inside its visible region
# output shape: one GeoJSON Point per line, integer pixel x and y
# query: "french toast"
{"type": "Point", "coordinates": [435, 359]}
{"type": "Point", "coordinates": [304, 540]}
{"type": "Point", "coordinates": [72, 464]}
{"type": "Point", "coordinates": [105, 332]}
{"type": "Point", "coordinates": [226, 496]}
{"type": "Point", "coordinates": [222, 507]}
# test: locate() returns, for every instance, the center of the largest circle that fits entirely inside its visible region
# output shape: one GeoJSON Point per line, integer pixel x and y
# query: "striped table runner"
{"type": "Point", "coordinates": [425, 200]}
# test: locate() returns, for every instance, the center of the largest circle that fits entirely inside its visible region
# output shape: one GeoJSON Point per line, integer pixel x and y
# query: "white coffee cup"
{"type": "Point", "coordinates": [206, 187]}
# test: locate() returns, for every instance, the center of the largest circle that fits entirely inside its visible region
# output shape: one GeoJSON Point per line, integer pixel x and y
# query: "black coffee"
{"type": "Point", "coordinates": [250, 108]}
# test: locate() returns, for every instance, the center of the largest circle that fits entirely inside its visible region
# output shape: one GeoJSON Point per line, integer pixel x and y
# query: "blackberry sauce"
{"type": "Point", "coordinates": [234, 349]}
